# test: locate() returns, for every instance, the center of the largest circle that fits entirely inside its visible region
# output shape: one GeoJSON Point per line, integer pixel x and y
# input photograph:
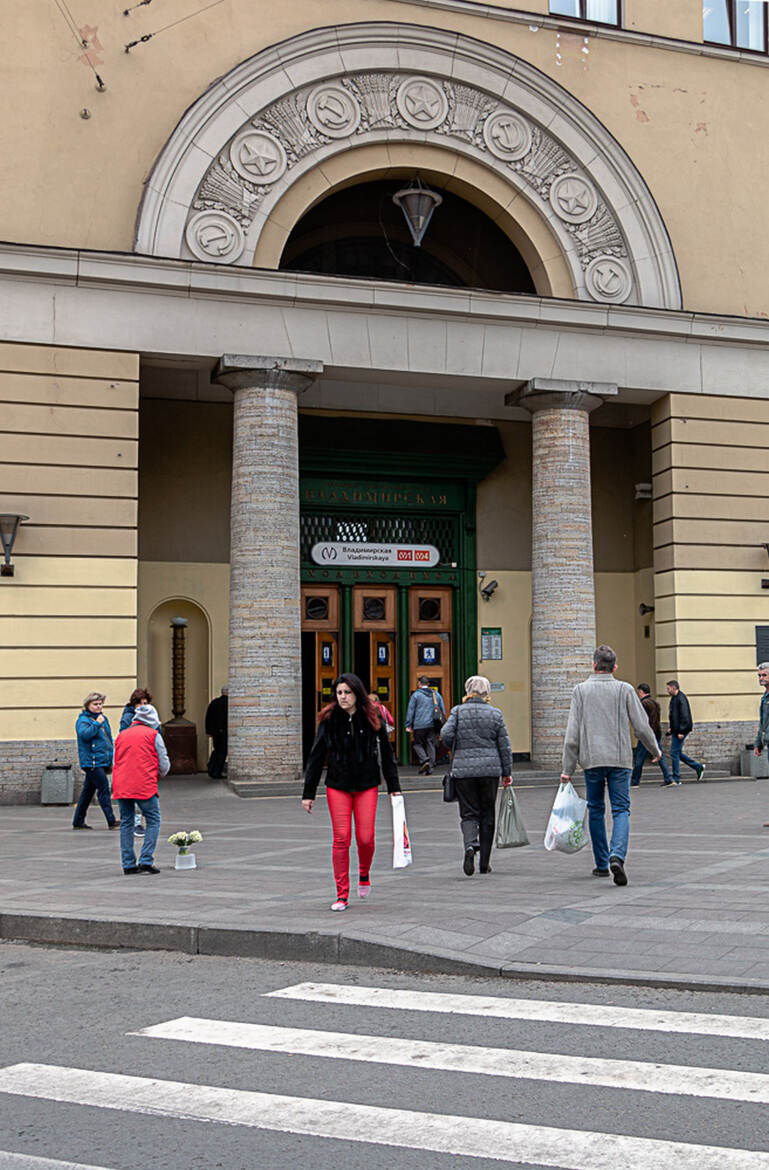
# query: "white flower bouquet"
{"type": "Point", "coordinates": [183, 840]}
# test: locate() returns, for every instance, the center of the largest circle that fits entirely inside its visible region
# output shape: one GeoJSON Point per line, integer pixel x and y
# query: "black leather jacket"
{"type": "Point", "coordinates": [680, 715]}
{"type": "Point", "coordinates": [347, 745]}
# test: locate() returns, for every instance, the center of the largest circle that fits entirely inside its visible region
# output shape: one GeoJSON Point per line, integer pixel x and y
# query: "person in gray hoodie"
{"type": "Point", "coordinates": [141, 759]}
{"type": "Point", "coordinates": [598, 737]}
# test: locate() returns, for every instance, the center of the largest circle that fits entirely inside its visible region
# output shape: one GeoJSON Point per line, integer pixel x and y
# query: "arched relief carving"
{"type": "Point", "coordinates": [545, 145]}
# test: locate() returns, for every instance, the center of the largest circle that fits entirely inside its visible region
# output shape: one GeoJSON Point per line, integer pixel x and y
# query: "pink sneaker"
{"type": "Point", "coordinates": [364, 889]}
{"type": "Point", "coordinates": [339, 905]}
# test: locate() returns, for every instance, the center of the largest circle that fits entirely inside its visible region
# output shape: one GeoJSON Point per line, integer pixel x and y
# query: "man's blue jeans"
{"type": "Point", "coordinates": [151, 810]}
{"type": "Point", "coordinates": [677, 754]}
{"type": "Point", "coordinates": [639, 757]}
{"type": "Point", "coordinates": [617, 780]}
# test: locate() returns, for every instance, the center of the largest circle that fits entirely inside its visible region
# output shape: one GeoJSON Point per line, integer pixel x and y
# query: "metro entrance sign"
{"type": "Point", "coordinates": [391, 556]}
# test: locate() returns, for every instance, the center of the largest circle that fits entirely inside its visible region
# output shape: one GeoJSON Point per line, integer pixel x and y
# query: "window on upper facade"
{"type": "Point", "coordinates": [738, 23]}
{"type": "Point", "coordinates": [599, 11]}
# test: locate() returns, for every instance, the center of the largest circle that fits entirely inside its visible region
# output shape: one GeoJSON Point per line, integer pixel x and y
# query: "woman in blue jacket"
{"type": "Point", "coordinates": [94, 749]}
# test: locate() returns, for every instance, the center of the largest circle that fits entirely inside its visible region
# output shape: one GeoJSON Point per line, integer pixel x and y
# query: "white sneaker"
{"type": "Point", "coordinates": [364, 889]}
{"type": "Point", "coordinates": [339, 905]}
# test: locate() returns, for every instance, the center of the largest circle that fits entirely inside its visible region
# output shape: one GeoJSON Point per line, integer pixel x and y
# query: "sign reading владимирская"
{"type": "Point", "coordinates": [395, 556]}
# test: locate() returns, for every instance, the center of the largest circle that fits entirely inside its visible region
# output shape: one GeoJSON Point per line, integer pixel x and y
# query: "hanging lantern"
{"type": "Point", "coordinates": [417, 204]}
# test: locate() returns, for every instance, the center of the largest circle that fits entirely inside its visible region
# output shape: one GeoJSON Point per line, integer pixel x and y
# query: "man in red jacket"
{"type": "Point", "coordinates": [140, 759]}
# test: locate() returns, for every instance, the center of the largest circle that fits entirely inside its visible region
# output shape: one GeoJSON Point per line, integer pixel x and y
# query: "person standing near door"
{"type": "Point", "coordinates": [425, 714]}
{"type": "Point", "coordinates": [216, 727]}
{"type": "Point", "coordinates": [350, 741]}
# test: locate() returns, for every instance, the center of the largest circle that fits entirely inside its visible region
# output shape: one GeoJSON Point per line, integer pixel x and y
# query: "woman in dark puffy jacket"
{"type": "Point", "coordinates": [482, 753]}
{"type": "Point", "coordinates": [351, 738]}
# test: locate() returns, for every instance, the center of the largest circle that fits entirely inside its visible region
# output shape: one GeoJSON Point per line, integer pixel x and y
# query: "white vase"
{"type": "Point", "coordinates": [185, 861]}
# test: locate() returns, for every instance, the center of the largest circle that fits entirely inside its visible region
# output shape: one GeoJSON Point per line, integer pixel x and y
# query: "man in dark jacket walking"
{"type": "Point", "coordinates": [680, 720]}
{"type": "Point", "coordinates": [216, 727]}
{"type": "Point", "coordinates": [652, 709]}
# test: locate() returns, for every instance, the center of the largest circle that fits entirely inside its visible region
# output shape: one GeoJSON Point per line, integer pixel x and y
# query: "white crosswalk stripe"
{"type": "Point", "coordinates": [499, 1007]}
{"type": "Point", "coordinates": [495, 1062]}
{"type": "Point", "coordinates": [470, 1137]}
{"type": "Point", "coordinates": [510, 1142]}
{"type": "Point", "coordinates": [9, 1161]}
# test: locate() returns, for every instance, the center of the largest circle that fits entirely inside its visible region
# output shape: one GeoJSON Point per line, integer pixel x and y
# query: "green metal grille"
{"type": "Point", "coordinates": [442, 531]}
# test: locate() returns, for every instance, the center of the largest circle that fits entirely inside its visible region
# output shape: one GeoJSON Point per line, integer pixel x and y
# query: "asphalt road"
{"type": "Point", "coordinates": [104, 1058]}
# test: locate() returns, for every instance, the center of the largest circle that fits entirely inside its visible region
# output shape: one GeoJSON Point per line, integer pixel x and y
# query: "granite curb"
{"type": "Point", "coordinates": [332, 947]}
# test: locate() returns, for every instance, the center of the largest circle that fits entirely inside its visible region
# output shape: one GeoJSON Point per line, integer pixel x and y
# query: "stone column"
{"type": "Point", "coordinates": [563, 629]}
{"type": "Point", "coordinates": [265, 672]}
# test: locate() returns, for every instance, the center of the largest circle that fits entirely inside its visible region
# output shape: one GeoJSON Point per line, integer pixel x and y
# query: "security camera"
{"type": "Point", "coordinates": [487, 590]}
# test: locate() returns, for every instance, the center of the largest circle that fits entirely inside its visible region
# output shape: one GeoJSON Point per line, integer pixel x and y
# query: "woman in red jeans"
{"type": "Point", "coordinates": [351, 738]}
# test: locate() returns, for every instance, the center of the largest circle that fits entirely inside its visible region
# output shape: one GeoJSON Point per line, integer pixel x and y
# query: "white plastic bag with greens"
{"type": "Point", "coordinates": [566, 828]}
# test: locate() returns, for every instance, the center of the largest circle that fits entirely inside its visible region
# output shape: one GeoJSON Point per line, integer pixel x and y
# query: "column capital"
{"type": "Point", "coordinates": [237, 371]}
{"type": "Point", "coordinates": [560, 394]}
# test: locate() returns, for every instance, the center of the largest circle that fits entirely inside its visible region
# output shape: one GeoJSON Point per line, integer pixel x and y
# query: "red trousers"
{"type": "Point", "coordinates": [342, 806]}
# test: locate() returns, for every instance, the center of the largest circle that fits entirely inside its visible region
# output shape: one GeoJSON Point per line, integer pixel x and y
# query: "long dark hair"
{"type": "Point", "coordinates": [362, 701]}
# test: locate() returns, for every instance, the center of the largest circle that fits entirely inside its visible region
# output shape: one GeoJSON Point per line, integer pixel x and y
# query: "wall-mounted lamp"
{"type": "Point", "coordinates": [643, 609]}
{"type": "Point", "coordinates": [417, 204]}
{"type": "Point", "coordinates": [9, 526]}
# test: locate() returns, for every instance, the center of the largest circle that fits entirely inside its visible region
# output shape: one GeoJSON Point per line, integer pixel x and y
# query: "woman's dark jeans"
{"type": "Point", "coordinates": [477, 800]}
{"type": "Point", "coordinates": [95, 782]}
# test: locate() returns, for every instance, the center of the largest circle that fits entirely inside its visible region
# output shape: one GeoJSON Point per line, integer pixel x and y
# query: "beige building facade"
{"type": "Point", "coordinates": [222, 360]}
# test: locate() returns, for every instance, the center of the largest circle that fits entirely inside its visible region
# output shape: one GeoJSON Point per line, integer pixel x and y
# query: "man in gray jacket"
{"type": "Point", "coordinates": [424, 711]}
{"type": "Point", "coordinates": [598, 738]}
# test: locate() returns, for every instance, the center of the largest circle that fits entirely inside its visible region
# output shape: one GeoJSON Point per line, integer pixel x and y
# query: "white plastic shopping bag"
{"type": "Point", "coordinates": [566, 827]}
{"type": "Point", "coordinates": [401, 841]}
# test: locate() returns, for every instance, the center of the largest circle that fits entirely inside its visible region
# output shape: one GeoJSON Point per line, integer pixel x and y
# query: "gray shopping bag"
{"type": "Point", "coordinates": [510, 830]}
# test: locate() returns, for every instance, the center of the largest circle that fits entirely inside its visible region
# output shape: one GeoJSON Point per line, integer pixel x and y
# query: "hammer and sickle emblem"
{"type": "Point", "coordinates": [507, 135]}
{"type": "Point", "coordinates": [332, 110]}
{"type": "Point", "coordinates": [216, 239]}
{"type": "Point", "coordinates": [607, 279]}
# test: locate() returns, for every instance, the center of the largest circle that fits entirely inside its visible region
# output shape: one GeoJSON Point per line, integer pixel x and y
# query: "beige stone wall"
{"type": "Point", "coordinates": [711, 517]}
{"type": "Point", "coordinates": [79, 182]}
{"type": "Point", "coordinates": [68, 458]}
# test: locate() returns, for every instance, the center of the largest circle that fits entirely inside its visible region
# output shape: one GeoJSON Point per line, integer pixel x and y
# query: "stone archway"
{"type": "Point", "coordinates": [301, 109]}
{"type": "Point", "coordinates": [197, 657]}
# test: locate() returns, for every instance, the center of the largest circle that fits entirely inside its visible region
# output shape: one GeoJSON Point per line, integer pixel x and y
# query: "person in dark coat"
{"type": "Point", "coordinates": [652, 709]}
{"type": "Point", "coordinates": [351, 739]}
{"type": "Point", "coordinates": [482, 753]}
{"type": "Point", "coordinates": [680, 720]}
{"type": "Point", "coordinates": [216, 727]}
{"type": "Point", "coordinates": [94, 749]}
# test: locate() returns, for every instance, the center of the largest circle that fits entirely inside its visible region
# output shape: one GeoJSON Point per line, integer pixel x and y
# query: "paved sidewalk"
{"type": "Point", "coordinates": [696, 911]}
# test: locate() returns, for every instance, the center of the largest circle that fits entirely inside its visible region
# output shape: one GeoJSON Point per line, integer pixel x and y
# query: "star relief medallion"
{"type": "Point", "coordinates": [422, 103]}
{"type": "Point", "coordinates": [257, 156]}
{"type": "Point", "coordinates": [573, 198]}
